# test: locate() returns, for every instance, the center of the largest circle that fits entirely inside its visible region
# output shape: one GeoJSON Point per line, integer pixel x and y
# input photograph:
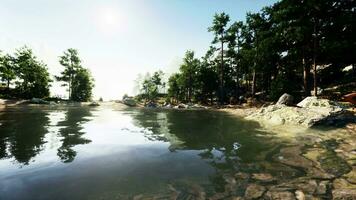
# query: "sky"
{"type": "Point", "coordinates": [116, 39]}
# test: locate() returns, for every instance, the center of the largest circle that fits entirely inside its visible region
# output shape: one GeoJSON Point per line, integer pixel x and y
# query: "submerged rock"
{"type": "Point", "coordinates": [254, 191]}
{"type": "Point", "coordinates": [263, 177]}
{"type": "Point", "coordinates": [299, 195]}
{"type": "Point", "coordinates": [343, 189]}
{"type": "Point", "coordinates": [279, 195]}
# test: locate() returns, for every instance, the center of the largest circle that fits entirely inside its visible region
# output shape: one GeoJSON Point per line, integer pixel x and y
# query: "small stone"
{"type": "Point", "coordinates": [351, 176]}
{"type": "Point", "coordinates": [263, 177]}
{"type": "Point", "coordinates": [218, 196]}
{"type": "Point", "coordinates": [241, 175]}
{"type": "Point", "coordinates": [341, 183]}
{"type": "Point", "coordinates": [344, 194]}
{"type": "Point", "coordinates": [308, 187]}
{"type": "Point", "coordinates": [299, 195]}
{"type": "Point", "coordinates": [138, 197]}
{"type": "Point", "coordinates": [322, 187]}
{"type": "Point", "coordinates": [254, 191]}
{"type": "Point", "coordinates": [277, 195]}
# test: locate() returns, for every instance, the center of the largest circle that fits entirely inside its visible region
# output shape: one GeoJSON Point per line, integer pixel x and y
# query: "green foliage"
{"type": "Point", "coordinates": [31, 75]}
{"type": "Point", "coordinates": [152, 85]}
{"type": "Point", "coordinates": [273, 52]}
{"type": "Point", "coordinates": [82, 85]}
{"type": "Point", "coordinates": [78, 79]}
{"type": "Point", "coordinates": [7, 69]}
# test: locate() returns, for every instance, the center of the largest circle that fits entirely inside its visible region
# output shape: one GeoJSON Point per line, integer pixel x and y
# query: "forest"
{"type": "Point", "coordinates": [298, 47]}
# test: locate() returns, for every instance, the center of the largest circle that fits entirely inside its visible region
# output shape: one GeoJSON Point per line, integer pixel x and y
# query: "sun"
{"type": "Point", "coordinates": [108, 20]}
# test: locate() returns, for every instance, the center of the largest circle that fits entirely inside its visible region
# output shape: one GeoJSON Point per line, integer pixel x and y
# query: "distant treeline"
{"type": "Point", "coordinates": [24, 76]}
{"type": "Point", "coordinates": [292, 46]}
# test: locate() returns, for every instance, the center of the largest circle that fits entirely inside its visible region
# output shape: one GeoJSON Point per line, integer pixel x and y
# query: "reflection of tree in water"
{"type": "Point", "coordinates": [71, 133]}
{"type": "Point", "coordinates": [227, 144]}
{"type": "Point", "coordinates": [22, 133]}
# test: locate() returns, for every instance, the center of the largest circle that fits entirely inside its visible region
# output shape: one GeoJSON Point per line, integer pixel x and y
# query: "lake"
{"type": "Point", "coordinates": [110, 152]}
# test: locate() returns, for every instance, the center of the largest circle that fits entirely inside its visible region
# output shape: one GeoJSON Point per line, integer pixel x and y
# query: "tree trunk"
{"type": "Point", "coordinates": [221, 84]}
{"type": "Point", "coordinates": [314, 61]}
{"type": "Point", "coordinates": [253, 88]}
{"type": "Point", "coordinates": [8, 84]}
{"type": "Point", "coordinates": [237, 83]}
{"type": "Point", "coordinates": [306, 71]}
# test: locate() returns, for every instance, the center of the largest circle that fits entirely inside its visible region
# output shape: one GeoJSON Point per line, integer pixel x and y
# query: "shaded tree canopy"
{"type": "Point", "coordinates": [290, 46]}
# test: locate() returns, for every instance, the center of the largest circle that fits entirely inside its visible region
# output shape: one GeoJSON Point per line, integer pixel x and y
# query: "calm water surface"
{"type": "Point", "coordinates": [110, 153]}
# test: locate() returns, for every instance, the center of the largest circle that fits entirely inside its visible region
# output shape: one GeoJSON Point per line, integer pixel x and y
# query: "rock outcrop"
{"type": "Point", "coordinates": [309, 112]}
{"type": "Point", "coordinates": [285, 99]}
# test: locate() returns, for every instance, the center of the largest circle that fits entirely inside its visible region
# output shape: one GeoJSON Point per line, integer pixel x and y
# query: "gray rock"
{"type": "Point", "coordinates": [322, 187]}
{"type": "Point", "coordinates": [311, 112]}
{"type": "Point", "coordinates": [263, 177]}
{"type": "Point", "coordinates": [151, 105]}
{"type": "Point", "coordinates": [299, 195]}
{"type": "Point", "coordinates": [254, 191]}
{"type": "Point", "coordinates": [344, 194]}
{"type": "Point", "coordinates": [93, 104]}
{"type": "Point", "coordinates": [129, 101]}
{"type": "Point", "coordinates": [285, 99]}
{"type": "Point", "coordinates": [38, 101]}
{"type": "Point", "coordinates": [279, 195]}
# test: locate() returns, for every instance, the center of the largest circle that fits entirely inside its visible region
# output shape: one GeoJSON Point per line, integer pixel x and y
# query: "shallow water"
{"type": "Point", "coordinates": [108, 153]}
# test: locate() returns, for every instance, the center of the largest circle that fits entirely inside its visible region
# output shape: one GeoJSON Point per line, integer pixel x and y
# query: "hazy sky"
{"type": "Point", "coordinates": [116, 39]}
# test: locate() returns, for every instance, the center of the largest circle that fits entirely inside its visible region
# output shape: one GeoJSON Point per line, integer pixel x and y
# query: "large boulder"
{"type": "Point", "coordinates": [285, 99]}
{"type": "Point", "coordinates": [311, 111]}
{"type": "Point", "coordinates": [129, 101]}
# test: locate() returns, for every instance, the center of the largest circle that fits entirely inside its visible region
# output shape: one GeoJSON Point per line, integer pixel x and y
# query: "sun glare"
{"type": "Point", "coordinates": [109, 20]}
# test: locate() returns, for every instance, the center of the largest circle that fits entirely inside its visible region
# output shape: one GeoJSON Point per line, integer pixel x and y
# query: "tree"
{"type": "Point", "coordinates": [82, 85]}
{"type": "Point", "coordinates": [174, 88]}
{"type": "Point", "coordinates": [189, 71]}
{"type": "Point", "coordinates": [78, 79]}
{"type": "Point", "coordinates": [234, 38]}
{"type": "Point", "coordinates": [7, 69]}
{"type": "Point", "coordinates": [72, 63]}
{"type": "Point", "coordinates": [219, 29]}
{"type": "Point", "coordinates": [151, 85]}
{"type": "Point", "coordinates": [33, 76]}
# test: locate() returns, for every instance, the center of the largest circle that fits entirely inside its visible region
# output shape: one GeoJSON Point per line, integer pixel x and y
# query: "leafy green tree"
{"type": "Point", "coordinates": [72, 64]}
{"type": "Point", "coordinates": [7, 69]}
{"type": "Point", "coordinates": [189, 70]}
{"type": "Point", "coordinates": [220, 31]}
{"type": "Point", "coordinates": [151, 85]}
{"type": "Point", "coordinates": [33, 77]}
{"type": "Point", "coordinates": [174, 87]}
{"type": "Point", "coordinates": [82, 85]}
{"type": "Point", "coordinates": [78, 79]}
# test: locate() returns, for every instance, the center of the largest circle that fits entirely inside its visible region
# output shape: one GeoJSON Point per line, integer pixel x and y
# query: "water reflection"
{"type": "Point", "coordinates": [22, 134]}
{"type": "Point", "coordinates": [227, 144]}
{"type": "Point", "coordinates": [72, 133]}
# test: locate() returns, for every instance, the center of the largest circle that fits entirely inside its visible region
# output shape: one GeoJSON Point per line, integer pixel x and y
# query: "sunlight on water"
{"type": "Point", "coordinates": [122, 152]}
